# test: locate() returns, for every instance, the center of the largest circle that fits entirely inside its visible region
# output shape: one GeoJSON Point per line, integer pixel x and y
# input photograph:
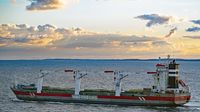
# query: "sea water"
{"type": "Point", "coordinates": [27, 72]}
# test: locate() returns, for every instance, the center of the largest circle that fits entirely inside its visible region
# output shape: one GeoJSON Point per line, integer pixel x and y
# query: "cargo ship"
{"type": "Point", "coordinates": [167, 90]}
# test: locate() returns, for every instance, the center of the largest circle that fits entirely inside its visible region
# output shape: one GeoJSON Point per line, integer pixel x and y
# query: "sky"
{"type": "Point", "coordinates": [99, 29]}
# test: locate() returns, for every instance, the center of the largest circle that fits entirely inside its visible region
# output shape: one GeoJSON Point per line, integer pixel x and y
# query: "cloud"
{"type": "Point", "coordinates": [48, 4]}
{"type": "Point", "coordinates": [49, 35]}
{"type": "Point", "coordinates": [196, 21]}
{"type": "Point", "coordinates": [22, 34]}
{"type": "Point", "coordinates": [160, 43]}
{"type": "Point", "coordinates": [192, 37]}
{"type": "Point", "coordinates": [101, 40]}
{"type": "Point", "coordinates": [172, 31]}
{"type": "Point", "coordinates": [44, 4]}
{"type": "Point", "coordinates": [20, 38]}
{"type": "Point", "coordinates": [193, 29]}
{"type": "Point", "coordinates": [154, 19]}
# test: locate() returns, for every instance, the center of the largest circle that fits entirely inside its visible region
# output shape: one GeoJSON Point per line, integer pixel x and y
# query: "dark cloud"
{"type": "Point", "coordinates": [85, 45]}
{"type": "Point", "coordinates": [22, 26]}
{"type": "Point", "coordinates": [172, 31]}
{"type": "Point", "coordinates": [140, 39]}
{"type": "Point", "coordinates": [154, 19]}
{"type": "Point", "coordinates": [160, 43]}
{"type": "Point", "coordinates": [21, 40]}
{"type": "Point", "coordinates": [192, 37]}
{"type": "Point", "coordinates": [196, 21]}
{"type": "Point", "coordinates": [3, 40]}
{"type": "Point", "coordinates": [46, 27]}
{"type": "Point", "coordinates": [44, 4]}
{"type": "Point", "coordinates": [193, 29]}
{"type": "Point", "coordinates": [106, 41]}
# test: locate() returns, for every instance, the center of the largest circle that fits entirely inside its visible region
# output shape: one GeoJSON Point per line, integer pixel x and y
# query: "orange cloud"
{"type": "Point", "coordinates": [48, 4]}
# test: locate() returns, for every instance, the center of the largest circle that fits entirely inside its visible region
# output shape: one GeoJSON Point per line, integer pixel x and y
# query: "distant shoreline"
{"type": "Point", "coordinates": [98, 59]}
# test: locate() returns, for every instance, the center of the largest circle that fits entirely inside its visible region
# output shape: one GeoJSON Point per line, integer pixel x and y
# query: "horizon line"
{"type": "Point", "coordinates": [119, 59]}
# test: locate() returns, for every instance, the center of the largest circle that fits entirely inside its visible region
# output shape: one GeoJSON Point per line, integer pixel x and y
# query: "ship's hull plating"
{"type": "Point", "coordinates": [139, 100]}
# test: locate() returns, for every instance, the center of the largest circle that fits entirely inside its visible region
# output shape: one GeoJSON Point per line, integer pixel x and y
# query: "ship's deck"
{"type": "Point", "coordinates": [91, 92]}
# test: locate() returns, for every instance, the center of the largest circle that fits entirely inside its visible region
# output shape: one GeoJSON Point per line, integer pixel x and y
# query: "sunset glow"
{"type": "Point", "coordinates": [99, 29]}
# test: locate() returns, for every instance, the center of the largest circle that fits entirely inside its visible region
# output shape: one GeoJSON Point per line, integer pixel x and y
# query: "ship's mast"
{"type": "Point", "coordinates": [118, 84]}
{"type": "Point", "coordinates": [39, 84]}
{"type": "Point", "coordinates": [77, 77]}
{"type": "Point", "coordinates": [40, 80]}
{"type": "Point", "coordinates": [118, 76]}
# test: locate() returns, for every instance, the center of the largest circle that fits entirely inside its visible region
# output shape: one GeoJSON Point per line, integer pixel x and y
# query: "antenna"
{"type": "Point", "coordinates": [15, 81]}
{"type": "Point", "coordinates": [168, 59]}
{"type": "Point", "coordinates": [159, 59]}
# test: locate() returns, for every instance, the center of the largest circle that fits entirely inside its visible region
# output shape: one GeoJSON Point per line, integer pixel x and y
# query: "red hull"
{"type": "Point", "coordinates": [166, 100]}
